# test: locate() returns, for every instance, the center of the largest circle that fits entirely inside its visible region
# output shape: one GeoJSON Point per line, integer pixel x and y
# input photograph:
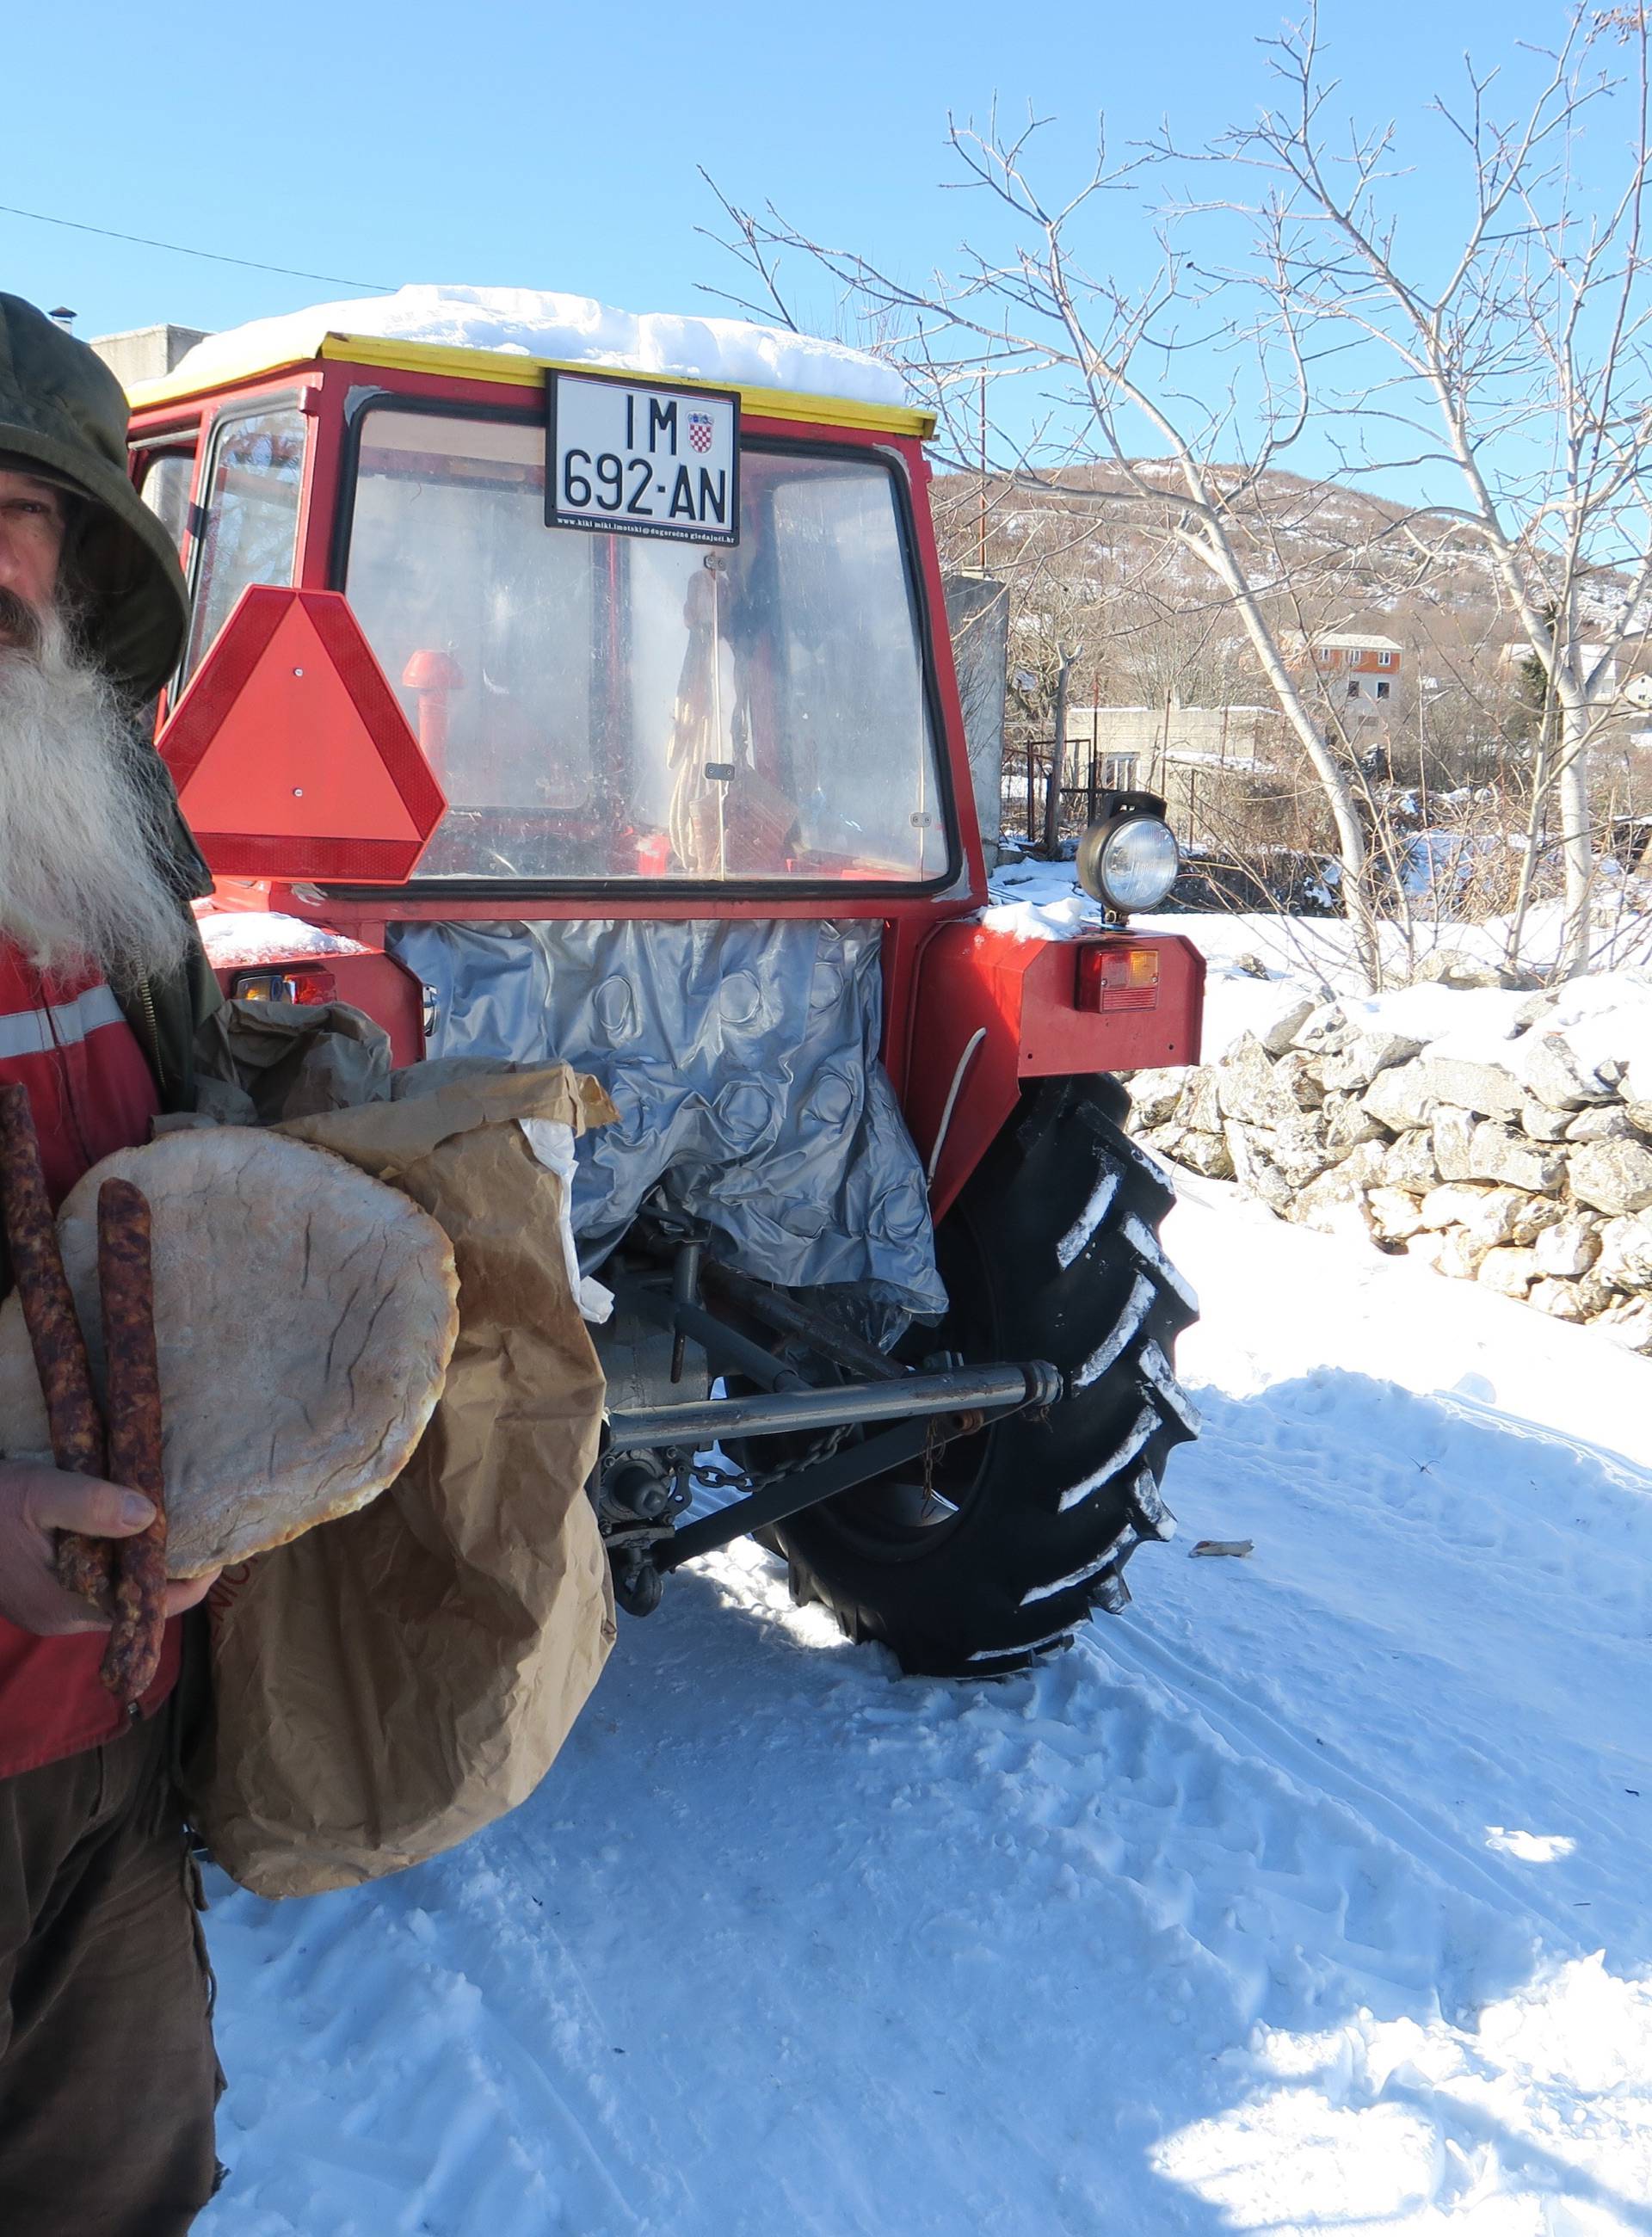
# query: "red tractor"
{"type": "Point", "coordinates": [611, 716]}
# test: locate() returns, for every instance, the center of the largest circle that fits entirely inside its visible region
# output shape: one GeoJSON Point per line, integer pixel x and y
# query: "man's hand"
{"type": "Point", "coordinates": [35, 1502]}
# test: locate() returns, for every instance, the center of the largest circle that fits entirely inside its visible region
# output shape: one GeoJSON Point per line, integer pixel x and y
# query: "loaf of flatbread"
{"type": "Point", "coordinates": [304, 1314]}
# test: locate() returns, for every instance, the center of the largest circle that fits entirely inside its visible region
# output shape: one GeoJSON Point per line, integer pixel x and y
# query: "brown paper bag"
{"type": "Point", "coordinates": [398, 1679]}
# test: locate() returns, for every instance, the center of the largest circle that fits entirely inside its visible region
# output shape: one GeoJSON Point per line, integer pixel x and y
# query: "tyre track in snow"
{"type": "Point", "coordinates": [1221, 1829]}
{"type": "Point", "coordinates": [1255, 1735]}
{"type": "Point", "coordinates": [417, 2082]}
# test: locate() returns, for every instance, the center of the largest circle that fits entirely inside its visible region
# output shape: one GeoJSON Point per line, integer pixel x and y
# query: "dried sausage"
{"type": "Point", "coordinates": [133, 1655]}
{"type": "Point", "coordinates": [84, 1565]}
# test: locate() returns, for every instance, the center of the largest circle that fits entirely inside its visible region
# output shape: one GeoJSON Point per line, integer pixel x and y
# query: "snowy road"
{"type": "Point", "coordinates": [1275, 1906]}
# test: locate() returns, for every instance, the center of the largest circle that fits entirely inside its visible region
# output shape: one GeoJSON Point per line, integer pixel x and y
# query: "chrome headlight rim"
{"type": "Point", "coordinates": [1127, 816]}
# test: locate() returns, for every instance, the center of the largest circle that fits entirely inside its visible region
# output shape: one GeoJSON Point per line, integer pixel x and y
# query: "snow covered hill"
{"type": "Point", "coordinates": [1309, 1895]}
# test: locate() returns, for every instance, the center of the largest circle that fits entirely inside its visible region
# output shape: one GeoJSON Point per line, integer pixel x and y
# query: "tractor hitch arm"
{"type": "Point", "coordinates": [1035, 1385]}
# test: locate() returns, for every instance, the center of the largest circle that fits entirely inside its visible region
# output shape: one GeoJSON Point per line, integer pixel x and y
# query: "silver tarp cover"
{"type": "Point", "coordinates": [742, 1057]}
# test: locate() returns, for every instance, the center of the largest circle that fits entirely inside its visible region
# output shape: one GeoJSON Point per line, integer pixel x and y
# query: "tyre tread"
{"type": "Point", "coordinates": [1011, 1589]}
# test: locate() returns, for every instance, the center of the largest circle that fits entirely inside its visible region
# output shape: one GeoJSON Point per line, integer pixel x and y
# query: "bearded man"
{"type": "Point", "coordinates": [108, 2078]}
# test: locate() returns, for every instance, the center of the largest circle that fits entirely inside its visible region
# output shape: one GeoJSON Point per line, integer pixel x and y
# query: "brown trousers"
{"type": "Point", "coordinates": [108, 2077]}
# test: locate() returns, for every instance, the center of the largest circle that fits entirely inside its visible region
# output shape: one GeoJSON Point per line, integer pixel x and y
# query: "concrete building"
{"type": "Point", "coordinates": [1205, 763]}
{"type": "Point", "coordinates": [146, 352]}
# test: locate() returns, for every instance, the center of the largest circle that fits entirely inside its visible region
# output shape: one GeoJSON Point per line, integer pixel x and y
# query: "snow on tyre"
{"type": "Point", "coordinates": [995, 1551]}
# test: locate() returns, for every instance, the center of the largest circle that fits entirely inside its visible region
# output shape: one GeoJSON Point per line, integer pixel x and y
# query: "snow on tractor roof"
{"type": "Point", "coordinates": [529, 323]}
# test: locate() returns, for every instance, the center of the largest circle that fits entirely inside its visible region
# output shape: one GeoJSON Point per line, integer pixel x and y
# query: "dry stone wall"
{"type": "Point", "coordinates": [1523, 1162]}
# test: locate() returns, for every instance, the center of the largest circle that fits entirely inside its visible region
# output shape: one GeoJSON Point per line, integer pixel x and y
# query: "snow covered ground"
{"type": "Point", "coordinates": [1309, 1895]}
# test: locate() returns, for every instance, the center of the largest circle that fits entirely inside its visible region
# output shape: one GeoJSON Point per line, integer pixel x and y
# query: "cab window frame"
{"type": "Point", "coordinates": [363, 401]}
{"type": "Point", "coordinates": [217, 431]}
{"type": "Point", "coordinates": [149, 451]}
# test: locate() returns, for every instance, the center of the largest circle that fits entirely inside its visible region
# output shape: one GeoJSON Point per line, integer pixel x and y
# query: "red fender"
{"type": "Point", "coordinates": [1119, 1001]}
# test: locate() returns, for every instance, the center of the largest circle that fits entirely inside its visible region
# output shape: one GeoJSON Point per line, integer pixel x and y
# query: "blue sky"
{"type": "Point", "coordinates": [557, 146]}
{"type": "Point", "coordinates": [550, 145]}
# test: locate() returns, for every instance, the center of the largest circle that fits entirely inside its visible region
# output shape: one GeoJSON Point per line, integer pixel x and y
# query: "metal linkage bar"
{"type": "Point", "coordinates": [783, 1312]}
{"type": "Point", "coordinates": [728, 1352]}
{"type": "Point", "coordinates": [965, 1389]}
{"type": "Point", "coordinates": [824, 1480]}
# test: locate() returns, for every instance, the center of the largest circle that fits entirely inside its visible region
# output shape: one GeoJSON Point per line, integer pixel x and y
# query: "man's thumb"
{"type": "Point", "coordinates": [102, 1510]}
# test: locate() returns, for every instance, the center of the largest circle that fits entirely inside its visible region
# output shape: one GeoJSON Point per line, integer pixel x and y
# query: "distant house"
{"type": "Point", "coordinates": [1354, 666]}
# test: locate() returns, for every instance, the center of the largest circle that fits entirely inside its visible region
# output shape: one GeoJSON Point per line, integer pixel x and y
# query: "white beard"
{"type": "Point", "coordinates": [79, 847]}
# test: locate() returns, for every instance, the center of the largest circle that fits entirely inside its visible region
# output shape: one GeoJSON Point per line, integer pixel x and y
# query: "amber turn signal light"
{"type": "Point", "coordinates": [1116, 978]}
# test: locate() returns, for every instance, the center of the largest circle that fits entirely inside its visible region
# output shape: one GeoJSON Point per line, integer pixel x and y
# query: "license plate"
{"type": "Point", "coordinates": [642, 459]}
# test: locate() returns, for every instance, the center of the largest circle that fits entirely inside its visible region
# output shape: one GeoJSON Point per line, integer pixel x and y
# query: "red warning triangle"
{"type": "Point", "coordinates": [292, 757]}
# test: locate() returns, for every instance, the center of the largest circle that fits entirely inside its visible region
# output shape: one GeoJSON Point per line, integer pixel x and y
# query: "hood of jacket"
{"type": "Point", "coordinates": [63, 415]}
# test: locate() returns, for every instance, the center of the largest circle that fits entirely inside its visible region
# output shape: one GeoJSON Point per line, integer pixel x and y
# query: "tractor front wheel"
{"type": "Point", "coordinates": [992, 1553]}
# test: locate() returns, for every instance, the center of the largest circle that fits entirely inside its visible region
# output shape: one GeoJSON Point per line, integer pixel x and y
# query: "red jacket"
{"type": "Point", "coordinates": [90, 1091]}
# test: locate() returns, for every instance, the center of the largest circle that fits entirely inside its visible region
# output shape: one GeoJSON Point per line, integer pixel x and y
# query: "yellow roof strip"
{"type": "Point", "coordinates": [505, 367]}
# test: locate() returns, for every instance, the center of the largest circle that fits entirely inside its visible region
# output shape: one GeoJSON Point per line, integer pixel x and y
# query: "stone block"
{"type": "Point", "coordinates": [1299, 1076]}
{"type": "Point", "coordinates": [1246, 1086]}
{"type": "Point", "coordinates": [1333, 1205]}
{"type": "Point", "coordinates": [1557, 1298]}
{"type": "Point", "coordinates": [1614, 1177]}
{"type": "Point", "coordinates": [1398, 1216]}
{"type": "Point", "coordinates": [1535, 1216]}
{"type": "Point", "coordinates": [1199, 1107]}
{"type": "Point", "coordinates": [1206, 1154]}
{"type": "Point", "coordinates": [1449, 967]}
{"type": "Point", "coordinates": [1325, 1031]}
{"type": "Point", "coordinates": [1453, 1133]}
{"type": "Point", "coordinates": [1255, 1170]}
{"type": "Point", "coordinates": [1470, 1086]}
{"type": "Point", "coordinates": [1283, 1030]}
{"type": "Point", "coordinates": [1364, 1164]}
{"type": "Point", "coordinates": [1401, 1097]}
{"type": "Point", "coordinates": [1509, 1271]}
{"type": "Point", "coordinates": [1410, 1163]}
{"type": "Point", "coordinates": [1544, 1124]}
{"type": "Point", "coordinates": [1486, 1216]}
{"type": "Point", "coordinates": [1602, 1121]}
{"type": "Point", "coordinates": [1567, 1250]}
{"type": "Point", "coordinates": [1460, 1254]}
{"type": "Point", "coordinates": [1155, 1095]}
{"type": "Point", "coordinates": [1299, 1149]}
{"type": "Point", "coordinates": [1425, 1247]}
{"type": "Point", "coordinates": [1347, 1123]}
{"type": "Point", "coordinates": [1624, 1252]}
{"type": "Point", "coordinates": [1545, 1064]}
{"type": "Point", "coordinates": [1360, 1062]}
{"type": "Point", "coordinates": [1500, 1153]}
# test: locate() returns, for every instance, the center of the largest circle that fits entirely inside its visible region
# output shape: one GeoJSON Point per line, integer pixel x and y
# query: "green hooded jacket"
{"type": "Point", "coordinates": [64, 417]}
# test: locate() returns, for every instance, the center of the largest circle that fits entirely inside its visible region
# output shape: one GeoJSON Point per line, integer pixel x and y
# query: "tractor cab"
{"type": "Point", "coordinates": [696, 656]}
{"type": "Point", "coordinates": [566, 686]}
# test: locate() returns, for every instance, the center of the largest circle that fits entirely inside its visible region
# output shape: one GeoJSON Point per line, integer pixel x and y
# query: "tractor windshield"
{"type": "Point", "coordinates": [603, 706]}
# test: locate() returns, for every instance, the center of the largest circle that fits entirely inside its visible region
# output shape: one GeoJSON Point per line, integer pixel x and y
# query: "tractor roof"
{"type": "Point", "coordinates": [511, 334]}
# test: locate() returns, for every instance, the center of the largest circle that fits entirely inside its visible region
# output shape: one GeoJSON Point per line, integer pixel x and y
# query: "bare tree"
{"type": "Point", "coordinates": [1521, 362]}
{"type": "Point", "coordinates": [1109, 363]}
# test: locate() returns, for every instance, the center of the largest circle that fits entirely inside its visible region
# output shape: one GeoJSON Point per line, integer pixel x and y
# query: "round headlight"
{"type": "Point", "coordinates": [1129, 863]}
